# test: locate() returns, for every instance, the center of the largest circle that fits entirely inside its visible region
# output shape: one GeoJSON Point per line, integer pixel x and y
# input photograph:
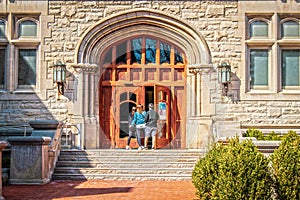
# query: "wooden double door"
{"type": "Point", "coordinates": [168, 102]}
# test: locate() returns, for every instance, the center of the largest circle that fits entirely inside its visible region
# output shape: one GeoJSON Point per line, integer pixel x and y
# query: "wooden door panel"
{"type": "Point", "coordinates": [105, 117]}
{"type": "Point", "coordinates": [123, 102]}
{"type": "Point", "coordinates": [163, 101]}
{"type": "Point", "coordinates": [178, 117]}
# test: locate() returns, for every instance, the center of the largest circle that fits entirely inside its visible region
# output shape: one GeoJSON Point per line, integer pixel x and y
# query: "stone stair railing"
{"type": "Point", "coordinates": [34, 157]}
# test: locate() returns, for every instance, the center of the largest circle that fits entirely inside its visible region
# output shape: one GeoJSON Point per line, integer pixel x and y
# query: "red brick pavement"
{"type": "Point", "coordinates": [104, 190]}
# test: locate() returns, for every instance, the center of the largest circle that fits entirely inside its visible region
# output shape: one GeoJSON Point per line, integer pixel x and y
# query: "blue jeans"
{"type": "Point", "coordinates": [139, 135]}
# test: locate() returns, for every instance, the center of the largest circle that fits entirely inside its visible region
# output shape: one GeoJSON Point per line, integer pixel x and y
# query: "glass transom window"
{"type": "Point", "coordinates": [259, 28]}
{"type": "Point", "coordinates": [143, 59]}
{"type": "Point", "coordinates": [27, 29]}
{"type": "Point", "coordinates": [290, 29]}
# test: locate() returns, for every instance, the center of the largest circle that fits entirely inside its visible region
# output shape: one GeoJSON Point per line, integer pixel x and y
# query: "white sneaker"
{"type": "Point", "coordinates": [140, 148]}
{"type": "Point", "coordinates": [128, 147]}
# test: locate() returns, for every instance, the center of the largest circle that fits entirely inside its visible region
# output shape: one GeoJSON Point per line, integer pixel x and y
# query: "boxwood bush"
{"type": "Point", "coordinates": [259, 135]}
{"type": "Point", "coordinates": [286, 167]}
{"type": "Point", "coordinates": [233, 171]}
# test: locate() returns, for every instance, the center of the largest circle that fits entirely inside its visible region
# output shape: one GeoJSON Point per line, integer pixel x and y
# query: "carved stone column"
{"type": "Point", "coordinates": [84, 104]}
{"type": "Point", "coordinates": [200, 109]}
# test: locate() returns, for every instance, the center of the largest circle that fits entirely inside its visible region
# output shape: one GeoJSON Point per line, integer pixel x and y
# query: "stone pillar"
{"type": "Point", "coordinates": [29, 160]}
{"type": "Point", "coordinates": [85, 100]}
{"type": "Point", "coordinates": [199, 119]}
{"type": "Point", "coordinates": [3, 144]}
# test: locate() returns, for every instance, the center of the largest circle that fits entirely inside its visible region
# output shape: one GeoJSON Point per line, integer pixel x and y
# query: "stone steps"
{"type": "Point", "coordinates": [84, 164]}
{"type": "Point", "coordinates": [120, 164]}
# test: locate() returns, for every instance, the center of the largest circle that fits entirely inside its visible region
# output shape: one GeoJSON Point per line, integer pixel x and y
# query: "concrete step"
{"type": "Point", "coordinates": [116, 164]}
{"type": "Point", "coordinates": [115, 170]}
{"type": "Point", "coordinates": [142, 177]}
{"type": "Point", "coordinates": [93, 164]}
{"type": "Point", "coordinates": [145, 158]}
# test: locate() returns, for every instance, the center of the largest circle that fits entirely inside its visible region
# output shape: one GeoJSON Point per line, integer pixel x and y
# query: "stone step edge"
{"type": "Point", "coordinates": [125, 175]}
{"type": "Point", "coordinates": [128, 156]}
{"type": "Point", "coordinates": [124, 169]}
{"type": "Point", "coordinates": [123, 150]}
{"type": "Point", "coordinates": [141, 162]}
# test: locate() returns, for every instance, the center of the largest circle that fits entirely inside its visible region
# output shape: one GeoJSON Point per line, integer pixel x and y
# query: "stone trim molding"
{"type": "Point", "coordinates": [138, 22]}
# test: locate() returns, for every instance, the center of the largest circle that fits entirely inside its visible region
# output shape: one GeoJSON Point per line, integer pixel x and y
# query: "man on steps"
{"type": "Point", "coordinates": [151, 126]}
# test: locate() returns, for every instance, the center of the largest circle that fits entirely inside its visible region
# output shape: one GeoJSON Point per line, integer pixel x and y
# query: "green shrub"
{"type": "Point", "coordinates": [233, 171]}
{"type": "Point", "coordinates": [286, 167]}
{"type": "Point", "coordinates": [251, 132]}
{"type": "Point", "coordinates": [273, 136]}
{"type": "Point", "coordinates": [258, 134]}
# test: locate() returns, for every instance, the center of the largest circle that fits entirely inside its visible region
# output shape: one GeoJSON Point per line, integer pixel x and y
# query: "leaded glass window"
{"type": "Point", "coordinates": [165, 52]}
{"type": "Point", "coordinates": [27, 28]}
{"type": "Point", "coordinates": [259, 61]}
{"type": "Point", "coordinates": [290, 29]}
{"type": "Point", "coordinates": [259, 28]}
{"type": "Point", "coordinates": [121, 53]}
{"type": "Point", "coordinates": [2, 67]}
{"type": "Point", "coordinates": [150, 50]}
{"type": "Point", "coordinates": [290, 67]}
{"type": "Point", "coordinates": [136, 46]}
{"type": "Point", "coordinates": [2, 28]}
{"type": "Point", "coordinates": [178, 57]}
{"type": "Point", "coordinates": [27, 67]}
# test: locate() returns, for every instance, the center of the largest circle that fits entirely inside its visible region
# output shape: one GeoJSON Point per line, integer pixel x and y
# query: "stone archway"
{"type": "Point", "coordinates": [125, 25]}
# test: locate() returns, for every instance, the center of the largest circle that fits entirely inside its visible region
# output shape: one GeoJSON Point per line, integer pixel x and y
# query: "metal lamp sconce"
{"type": "Point", "coordinates": [224, 76]}
{"type": "Point", "coordinates": [59, 76]}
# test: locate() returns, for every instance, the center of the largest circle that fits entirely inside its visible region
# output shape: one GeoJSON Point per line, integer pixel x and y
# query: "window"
{"type": "Point", "coordinates": [2, 68]}
{"type": "Point", "coordinates": [26, 68]}
{"type": "Point", "coordinates": [27, 28]}
{"type": "Point", "coordinates": [259, 28]}
{"type": "Point", "coordinates": [165, 52]}
{"type": "Point", "coordinates": [136, 55]}
{"type": "Point", "coordinates": [272, 59]}
{"type": "Point", "coordinates": [259, 61]}
{"type": "Point", "coordinates": [143, 59]}
{"type": "Point", "coordinates": [2, 28]}
{"type": "Point", "coordinates": [290, 28]}
{"type": "Point", "coordinates": [290, 68]}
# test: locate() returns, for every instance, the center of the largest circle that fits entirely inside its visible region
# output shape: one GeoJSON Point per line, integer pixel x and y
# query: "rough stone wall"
{"type": "Point", "coordinates": [260, 113]}
{"type": "Point", "coordinates": [18, 112]}
{"type": "Point", "coordinates": [217, 21]}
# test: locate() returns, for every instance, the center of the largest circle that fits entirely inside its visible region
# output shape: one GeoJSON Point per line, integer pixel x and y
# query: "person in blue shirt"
{"type": "Point", "coordinates": [132, 130]}
{"type": "Point", "coordinates": [139, 122]}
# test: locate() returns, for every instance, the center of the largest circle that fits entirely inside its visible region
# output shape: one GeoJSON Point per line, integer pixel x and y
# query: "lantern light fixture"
{"type": "Point", "coordinates": [59, 76]}
{"type": "Point", "coordinates": [224, 77]}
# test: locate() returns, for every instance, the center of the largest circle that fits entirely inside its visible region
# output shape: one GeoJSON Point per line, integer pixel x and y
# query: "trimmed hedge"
{"type": "Point", "coordinates": [286, 167]}
{"type": "Point", "coordinates": [258, 134]}
{"type": "Point", "coordinates": [233, 171]}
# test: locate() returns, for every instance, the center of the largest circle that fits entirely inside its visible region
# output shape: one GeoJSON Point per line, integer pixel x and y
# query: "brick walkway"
{"type": "Point", "coordinates": [104, 190]}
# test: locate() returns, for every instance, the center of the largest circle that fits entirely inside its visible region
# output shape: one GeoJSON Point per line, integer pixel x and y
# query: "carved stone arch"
{"type": "Point", "coordinates": [137, 22]}
{"type": "Point", "coordinates": [129, 24]}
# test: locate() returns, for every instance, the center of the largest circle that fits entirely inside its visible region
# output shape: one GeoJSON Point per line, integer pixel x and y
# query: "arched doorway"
{"type": "Point", "coordinates": [99, 76]}
{"type": "Point", "coordinates": [142, 70]}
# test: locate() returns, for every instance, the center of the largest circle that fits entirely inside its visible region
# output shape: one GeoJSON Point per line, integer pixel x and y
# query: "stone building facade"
{"type": "Point", "coordinates": [260, 40]}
